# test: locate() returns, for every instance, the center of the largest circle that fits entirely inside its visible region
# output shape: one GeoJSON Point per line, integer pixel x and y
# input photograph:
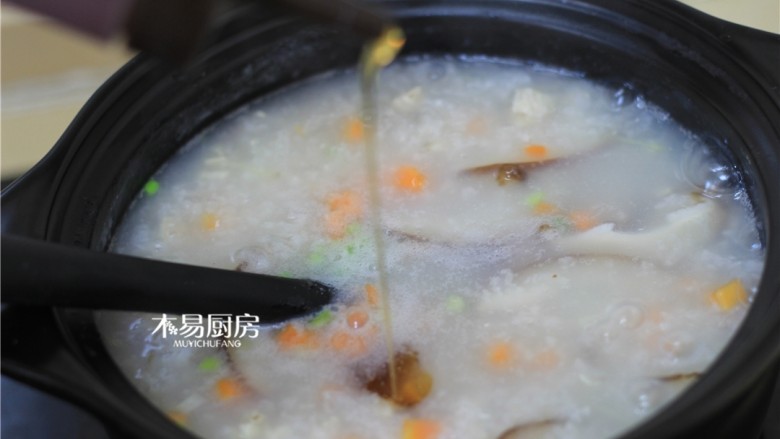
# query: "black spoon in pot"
{"type": "Point", "coordinates": [47, 274]}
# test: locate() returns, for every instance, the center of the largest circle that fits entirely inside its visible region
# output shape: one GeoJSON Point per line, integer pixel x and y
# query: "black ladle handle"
{"type": "Point", "coordinates": [43, 273]}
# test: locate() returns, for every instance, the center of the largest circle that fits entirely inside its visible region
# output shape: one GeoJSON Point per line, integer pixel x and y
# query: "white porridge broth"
{"type": "Point", "coordinates": [561, 261]}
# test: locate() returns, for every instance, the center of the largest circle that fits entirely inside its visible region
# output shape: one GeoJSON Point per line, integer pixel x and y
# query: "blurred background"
{"type": "Point", "coordinates": [48, 72]}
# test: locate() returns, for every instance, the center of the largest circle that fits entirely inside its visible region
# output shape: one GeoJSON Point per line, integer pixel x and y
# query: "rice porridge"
{"type": "Point", "coordinates": [562, 259]}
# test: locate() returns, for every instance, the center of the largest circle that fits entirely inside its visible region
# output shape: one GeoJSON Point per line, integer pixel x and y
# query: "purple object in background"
{"type": "Point", "coordinates": [172, 29]}
{"type": "Point", "coordinates": [102, 18]}
{"type": "Point", "coordinates": [175, 28]}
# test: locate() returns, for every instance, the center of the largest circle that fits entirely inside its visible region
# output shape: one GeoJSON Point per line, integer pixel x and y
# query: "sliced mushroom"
{"type": "Point", "coordinates": [676, 383]}
{"type": "Point", "coordinates": [473, 222]}
{"type": "Point", "coordinates": [531, 430]}
{"type": "Point", "coordinates": [684, 232]}
{"type": "Point", "coordinates": [413, 383]}
{"type": "Point", "coordinates": [507, 172]}
{"type": "Point", "coordinates": [587, 285]}
{"type": "Point", "coordinates": [406, 237]}
{"type": "Point", "coordinates": [680, 377]}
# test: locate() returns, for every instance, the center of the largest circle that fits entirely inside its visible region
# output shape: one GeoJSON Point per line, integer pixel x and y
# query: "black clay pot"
{"type": "Point", "coordinates": [719, 80]}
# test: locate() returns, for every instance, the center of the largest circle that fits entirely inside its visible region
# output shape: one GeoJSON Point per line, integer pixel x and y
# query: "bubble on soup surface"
{"type": "Point", "coordinates": [625, 96]}
{"type": "Point", "coordinates": [711, 175]}
{"type": "Point", "coordinates": [647, 397]}
{"type": "Point", "coordinates": [676, 345]}
{"type": "Point", "coordinates": [253, 259]}
{"type": "Point", "coordinates": [627, 315]}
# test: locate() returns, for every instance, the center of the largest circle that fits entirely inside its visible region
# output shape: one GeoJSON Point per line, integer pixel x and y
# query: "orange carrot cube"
{"type": "Point", "coordinates": [227, 388]}
{"type": "Point", "coordinates": [409, 179]}
{"type": "Point", "coordinates": [729, 295]}
{"type": "Point", "coordinates": [536, 151]}
{"type": "Point", "coordinates": [353, 131]}
{"type": "Point", "coordinates": [421, 429]}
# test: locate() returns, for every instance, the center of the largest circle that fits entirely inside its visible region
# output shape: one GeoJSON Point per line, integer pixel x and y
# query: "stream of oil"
{"type": "Point", "coordinates": [377, 54]}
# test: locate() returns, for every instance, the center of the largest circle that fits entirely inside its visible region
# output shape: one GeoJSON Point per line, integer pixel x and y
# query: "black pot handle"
{"type": "Point", "coordinates": [34, 352]}
{"type": "Point", "coordinates": [25, 202]}
{"type": "Point", "coordinates": [760, 50]}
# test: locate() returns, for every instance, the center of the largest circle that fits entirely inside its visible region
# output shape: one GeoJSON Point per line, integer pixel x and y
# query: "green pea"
{"type": "Point", "coordinates": [209, 364]}
{"type": "Point", "coordinates": [455, 304]}
{"type": "Point", "coordinates": [353, 229]}
{"type": "Point", "coordinates": [321, 319]}
{"type": "Point", "coordinates": [534, 199]}
{"type": "Point", "coordinates": [316, 258]}
{"type": "Point", "coordinates": [151, 187]}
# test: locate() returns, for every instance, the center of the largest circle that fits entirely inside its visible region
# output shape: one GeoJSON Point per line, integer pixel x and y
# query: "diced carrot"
{"type": "Point", "coordinates": [476, 126]}
{"type": "Point", "coordinates": [546, 359]}
{"type": "Point", "coordinates": [501, 355]}
{"type": "Point", "coordinates": [292, 337]}
{"type": "Point", "coordinates": [544, 208]}
{"type": "Point", "coordinates": [288, 335]}
{"type": "Point", "coordinates": [209, 222]}
{"type": "Point", "coordinates": [348, 343]}
{"type": "Point", "coordinates": [341, 341]}
{"type": "Point", "coordinates": [582, 220]}
{"type": "Point", "coordinates": [652, 339]}
{"type": "Point", "coordinates": [347, 201]}
{"type": "Point", "coordinates": [178, 417]}
{"type": "Point", "coordinates": [421, 429]}
{"type": "Point", "coordinates": [227, 388]}
{"type": "Point", "coordinates": [536, 151]}
{"type": "Point", "coordinates": [654, 315]}
{"type": "Point", "coordinates": [357, 318]}
{"type": "Point", "coordinates": [343, 209]}
{"type": "Point", "coordinates": [409, 179]}
{"type": "Point", "coordinates": [372, 295]}
{"type": "Point", "coordinates": [729, 295]}
{"type": "Point", "coordinates": [335, 226]}
{"type": "Point", "coordinates": [353, 130]}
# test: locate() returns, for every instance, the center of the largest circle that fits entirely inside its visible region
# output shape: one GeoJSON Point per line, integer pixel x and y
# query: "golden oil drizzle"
{"type": "Point", "coordinates": [376, 55]}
